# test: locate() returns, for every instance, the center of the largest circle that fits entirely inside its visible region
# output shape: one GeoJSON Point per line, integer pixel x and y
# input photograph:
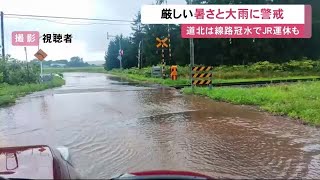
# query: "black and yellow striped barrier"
{"type": "Point", "coordinates": [201, 82]}
{"type": "Point", "coordinates": [202, 68]}
{"type": "Point", "coordinates": [201, 76]}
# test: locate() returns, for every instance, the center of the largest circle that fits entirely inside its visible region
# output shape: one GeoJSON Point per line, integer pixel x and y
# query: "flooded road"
{"type": "Point", "coordinates": [112, 127]}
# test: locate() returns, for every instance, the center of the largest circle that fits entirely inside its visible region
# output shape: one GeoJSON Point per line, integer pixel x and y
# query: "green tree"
{"type": "Point", "coordinates": [74, 62]}
{"type": "Point", "coordinates": [129, 58]}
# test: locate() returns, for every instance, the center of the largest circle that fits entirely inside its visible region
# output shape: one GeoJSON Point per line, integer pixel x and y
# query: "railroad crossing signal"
{"type": "Point", "coordinates": [40, 55]}
{"type": "Point", "coordinates": [162, 43]}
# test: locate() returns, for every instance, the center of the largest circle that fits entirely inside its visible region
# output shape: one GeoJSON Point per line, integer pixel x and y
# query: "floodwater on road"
{"type": "Point", "coordinates": [113, 127]}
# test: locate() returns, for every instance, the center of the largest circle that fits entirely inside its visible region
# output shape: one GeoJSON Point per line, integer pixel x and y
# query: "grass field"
{"type": "Point", "coordinates": [9, 93]}
{"type": "Point", "coordinates": [261, 71]}
{"type": "Point", "coordinates": [299, 100]}
{"type": "Point", "coordinates": [186, 81]}
{"type": "Point", "coordinates": [78, 69]}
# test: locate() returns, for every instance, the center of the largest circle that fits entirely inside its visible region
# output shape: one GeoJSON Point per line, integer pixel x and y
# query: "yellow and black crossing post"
{"type": "Point", "coordinates": [201, 75]}
{"type": "Point", "coordinates": [163, 62]}
{"type": "Point", "coordinates": [169, 46]}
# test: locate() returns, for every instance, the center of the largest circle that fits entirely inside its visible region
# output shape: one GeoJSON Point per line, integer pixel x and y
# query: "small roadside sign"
{"type": "Point", "coordinates": [120, 58]}
{"type": "Point", "coordinates": [40, 55]}
{"type": "Point", "coordinates": [121, 52]}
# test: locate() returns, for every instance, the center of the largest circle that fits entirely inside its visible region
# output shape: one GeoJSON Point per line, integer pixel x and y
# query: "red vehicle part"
{"type": "Point", "coordinates": [163, 174]}
{"type": "Point", "coordinates": [43, 162]}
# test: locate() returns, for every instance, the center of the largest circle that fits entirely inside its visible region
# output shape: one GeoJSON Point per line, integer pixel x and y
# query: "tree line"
{"type": "Point", "coordinates": [73, 62]}
{"type": "Point", "coordinates": [15, 72]}
{"type": "Point", "coordinates": [213, 51]}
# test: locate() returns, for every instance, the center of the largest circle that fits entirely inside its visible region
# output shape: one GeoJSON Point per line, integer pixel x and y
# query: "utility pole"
{"type": "Point", "coordinates": [139, 50]}
{"type": "Point", "coordinates": [25, 50]}
{"type": "Point", "coordinates": [191, 52]}
{"type": "Point", "coordinates": [191, 49]}
{"type": "Point", "coordinates": [41, 68]}
{"type": "Point", "coordinates": [139, 55]}
{"type": "Point", "coordinates": [2, 37]}
{"type": "Point", "coordinates": [191, 57]}
{"type": "Point", "coordinates": [120, 52]}
{"type": "Point", "coordinates": [169, 43]}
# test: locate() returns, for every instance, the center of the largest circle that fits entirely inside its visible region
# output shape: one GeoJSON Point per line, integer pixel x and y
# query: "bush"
{"type": "Point", "coordinates": [1, 77]}
{"type": "Point", "coordinates": [265, 66]}
{"type": "Point", "coordinates": [306, 65]}
{"type": "Point", "coordinates": [17, 72]}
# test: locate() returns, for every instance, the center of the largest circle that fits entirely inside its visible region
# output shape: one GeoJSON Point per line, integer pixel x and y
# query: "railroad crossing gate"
{"type": "Point", "coordinates": [201, 76]}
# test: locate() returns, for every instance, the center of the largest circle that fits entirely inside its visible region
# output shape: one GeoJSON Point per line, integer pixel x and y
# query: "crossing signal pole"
{"type": "Point", "coordinates": [139, 50]}
{"type": "Point", "coordinates": [162, 43]}
{"type": "Point", "coordinates": [169, 42]}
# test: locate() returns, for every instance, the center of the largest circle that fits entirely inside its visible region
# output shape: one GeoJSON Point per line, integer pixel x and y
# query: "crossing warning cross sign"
{"type": "Point", "coordinates": [40, 55]}
{"type": "Point", "coordinates": [162, 43]}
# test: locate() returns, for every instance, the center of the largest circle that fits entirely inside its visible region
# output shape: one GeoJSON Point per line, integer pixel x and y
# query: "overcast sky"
{"type": "Point", "coordinates": [89, 41]}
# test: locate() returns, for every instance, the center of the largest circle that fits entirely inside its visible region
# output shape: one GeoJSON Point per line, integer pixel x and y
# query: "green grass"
{"type": "Point", "coordinates": [185, 81]}
{"type": "Point", "coordinates": [262, 71]}
{"type": "Point", "coordinates": [264, 79]}
{"type": "Point", "coordinates": [9, 93]}
{"type": "Point", "coordinates": [144, 79]}
{"type": "Point", "coordinates": [300, 100]}
{"type": "Point", "coordinates": [78, 69]}
{"type": "Point", "coordinates": [253, 71]}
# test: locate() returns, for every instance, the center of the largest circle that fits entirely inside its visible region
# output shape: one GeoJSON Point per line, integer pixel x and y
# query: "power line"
{"type": "Point", "coordinates": [68, 23]}
{"type": "Point", "coordinates": [73, 18]}
{"type": "Point", "coordinates": [88, 19]}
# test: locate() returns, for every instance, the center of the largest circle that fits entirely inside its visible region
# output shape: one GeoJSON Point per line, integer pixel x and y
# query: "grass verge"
{"type": "Point", "coordinates": [151, 80]}
{"type": "Point", "coordinates": [300, 100]}
{"type": "Point", "coordinates": [185, 81]}
{"type": "Point", "coordinates": [78, 69]}
{"type": "Point", "coordinates": [9, 93]}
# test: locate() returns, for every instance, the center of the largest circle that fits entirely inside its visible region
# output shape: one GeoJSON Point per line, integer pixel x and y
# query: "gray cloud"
{"type": "Point", "coordinates": [93, 35]}
{"type": "Point", "coordinates": [96, 35]}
